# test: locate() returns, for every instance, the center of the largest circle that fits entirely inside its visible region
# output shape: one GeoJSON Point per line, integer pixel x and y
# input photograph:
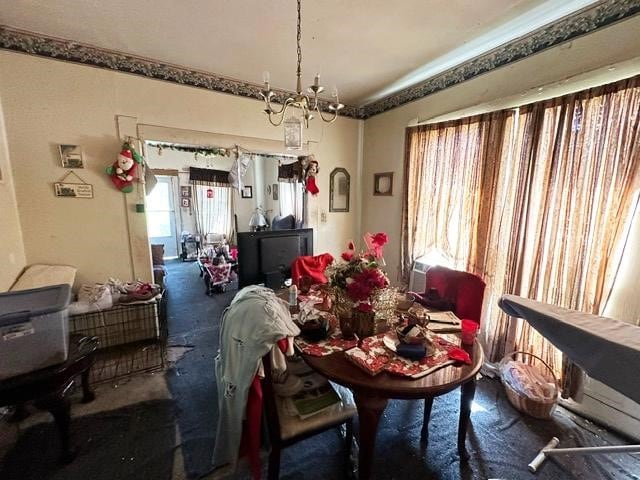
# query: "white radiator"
{"type": "Point", "coordinates": [604, 405]}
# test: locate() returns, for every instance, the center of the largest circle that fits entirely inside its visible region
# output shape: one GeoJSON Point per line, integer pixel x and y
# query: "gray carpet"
{"type": "Point", "coordinates": [501, 441]}
{"type": "Point", "coordinates": [134, 443]}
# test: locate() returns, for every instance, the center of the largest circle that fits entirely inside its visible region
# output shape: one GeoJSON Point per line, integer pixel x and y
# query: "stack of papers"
{"type": "Point", "coordinates": [443, 322]}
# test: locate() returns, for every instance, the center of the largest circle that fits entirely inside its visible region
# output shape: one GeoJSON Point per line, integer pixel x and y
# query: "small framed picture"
{"type": "Point", "coordinates": [71, 156]}
{"type": "Point", "coordinates": [185, 191]}
{"type": "Point", "coordinates": [383, 184]}
{"type": "Point", "coordinates": [185, 202]}
{"type": "Point", "coordinates": [73, 190]}
{"type": "Point", "coordinates": [276, 191]}
{"type": "Point", "coordinates": [247, 191]}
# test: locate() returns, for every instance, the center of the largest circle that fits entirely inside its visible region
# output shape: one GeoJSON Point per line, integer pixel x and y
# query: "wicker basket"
{"type": "Point", "coordinates": [536, 408]}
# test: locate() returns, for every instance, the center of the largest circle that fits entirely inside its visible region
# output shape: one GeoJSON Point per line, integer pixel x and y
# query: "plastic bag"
{"type": "Point", "coordinates": [528, 381]}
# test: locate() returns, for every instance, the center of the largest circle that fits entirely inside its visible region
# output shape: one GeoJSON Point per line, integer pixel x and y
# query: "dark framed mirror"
{"type": "Point", "coordinates": [339, 187]}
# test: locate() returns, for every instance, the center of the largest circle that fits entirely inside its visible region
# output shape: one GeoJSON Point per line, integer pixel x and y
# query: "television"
{"type": "Point", "coordinates": [266, 256]}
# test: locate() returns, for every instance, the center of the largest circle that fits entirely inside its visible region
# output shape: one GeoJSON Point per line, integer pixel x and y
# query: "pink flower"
{"type": "Point", "coordinates": [351, 246]}
{"type": "Point", "coordinates": [347, 256]}
{"type": "Point", "coordinates": [380, 239]}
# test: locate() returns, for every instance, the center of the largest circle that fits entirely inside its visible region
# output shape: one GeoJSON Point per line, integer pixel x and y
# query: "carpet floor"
{"type": "Point", "coordinates": [132, 442]}
{"type": "Point", "coordinates": [501, 441]}
{"type": "Point", "coordinates": [137, 441]}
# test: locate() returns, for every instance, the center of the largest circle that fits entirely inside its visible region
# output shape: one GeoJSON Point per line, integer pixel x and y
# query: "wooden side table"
{"type": "Point", "coordinates": [48, 388]}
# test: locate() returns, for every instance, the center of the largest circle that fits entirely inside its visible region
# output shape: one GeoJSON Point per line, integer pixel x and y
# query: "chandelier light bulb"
{"type": "Point", "coordinates": [266, 77]}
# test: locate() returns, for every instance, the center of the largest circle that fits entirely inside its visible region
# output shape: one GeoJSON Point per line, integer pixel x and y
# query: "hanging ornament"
{"type": "Point", "coordinates": [210, 193]}
{"type": "Point", "coordinates": [310, 177]}
{"type": "Point", "coordinates": [123, 171]}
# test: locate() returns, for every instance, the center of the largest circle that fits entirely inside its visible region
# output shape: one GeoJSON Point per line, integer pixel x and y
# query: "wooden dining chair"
{"type": "Point", "coordinates": [465, 293]}
{"type": "Point", "coordinates": [285, 429]}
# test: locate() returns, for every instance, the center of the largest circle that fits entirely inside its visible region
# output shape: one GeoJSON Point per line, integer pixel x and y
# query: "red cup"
{"type": "Point", "coordinates": [469, 331]}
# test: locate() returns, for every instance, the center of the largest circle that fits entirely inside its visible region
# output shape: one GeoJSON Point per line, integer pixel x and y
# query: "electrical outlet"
{"type": "Point", "coordinates": [323, 216]}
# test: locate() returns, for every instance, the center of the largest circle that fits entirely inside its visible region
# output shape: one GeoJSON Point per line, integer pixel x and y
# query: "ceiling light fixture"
{"type": "Point", "coordinates": [300, 101]}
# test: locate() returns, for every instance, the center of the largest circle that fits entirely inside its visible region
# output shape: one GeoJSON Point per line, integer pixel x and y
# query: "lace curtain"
{"type": "Point", "coordinates": [291, 199]}
{"type": "Point", "coordinates": [213, 214]}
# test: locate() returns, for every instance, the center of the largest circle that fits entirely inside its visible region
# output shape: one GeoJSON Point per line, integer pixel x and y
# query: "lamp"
{"type": "Point", "coordinates": [300, 101]}
{"type": "Point", "coordinates": [257, 221]}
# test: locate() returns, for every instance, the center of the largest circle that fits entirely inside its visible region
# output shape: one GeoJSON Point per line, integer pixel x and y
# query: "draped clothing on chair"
{"type": "Point", "coordinates": [251, 325]}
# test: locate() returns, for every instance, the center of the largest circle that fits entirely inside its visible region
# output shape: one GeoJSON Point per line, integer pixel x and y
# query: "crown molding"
{"type": "Point", "coordinates": [583, 22]}
{"type": "Point", "coordinates": [76, 52]}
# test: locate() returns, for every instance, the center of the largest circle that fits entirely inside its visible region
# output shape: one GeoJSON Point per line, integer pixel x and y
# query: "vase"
{"type": "Point", "coordinates": [381, 316]}
{"type": "Point", "coordinates": [364, 323]}
{"type": "Point", "coordinates": [341, 306]}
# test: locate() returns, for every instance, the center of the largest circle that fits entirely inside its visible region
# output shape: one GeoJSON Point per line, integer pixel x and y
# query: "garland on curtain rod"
{"type": "Point", "coordinates": [198, 150]}
{"type": "Point", "coordinates": [212, 151]}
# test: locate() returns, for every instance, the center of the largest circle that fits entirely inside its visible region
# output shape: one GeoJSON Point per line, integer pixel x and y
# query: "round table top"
{"type": "Point", "coordinates": [337, 368]}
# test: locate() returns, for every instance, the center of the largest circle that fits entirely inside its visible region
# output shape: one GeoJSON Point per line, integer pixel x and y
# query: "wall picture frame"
{"type": "Point", "coordinates": [383, 184]}
{"type": "Point", "coordinates": [185, 202]}
{"type": "Point", "coordinates": [73, 190]}
{"type": "Point", "coordinates": [71, 156]}
{"type": "Point", "coordinates": [185, 191]}
{"type": "Point", "coordinates": [247, 191]}
{"type": "Point", "coordinates": [276, 192]}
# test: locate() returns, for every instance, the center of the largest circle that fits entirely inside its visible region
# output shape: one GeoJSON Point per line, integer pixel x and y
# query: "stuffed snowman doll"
{"type": "Point", "coordinates": [123, 170]}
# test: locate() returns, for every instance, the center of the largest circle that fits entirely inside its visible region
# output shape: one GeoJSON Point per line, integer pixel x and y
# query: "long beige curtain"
{"type": "Point", "coordinates": [546, 213]}
{"type": "Point", "coordinates": [572, 181]}
{"type": "Point", "coordinates": [448, 208]}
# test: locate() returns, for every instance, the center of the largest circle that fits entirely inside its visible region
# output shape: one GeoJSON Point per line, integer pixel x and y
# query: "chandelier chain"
{"type": "Point", "coordinates": [299, 37]}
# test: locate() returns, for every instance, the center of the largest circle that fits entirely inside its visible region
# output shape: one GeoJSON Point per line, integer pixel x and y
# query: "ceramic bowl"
{"type": "Point", "coordinates": [405, 302]}
{"type": "Point", "coordinates": [413, 334]}
{"type": "Point", "coordinates": [315, 330]}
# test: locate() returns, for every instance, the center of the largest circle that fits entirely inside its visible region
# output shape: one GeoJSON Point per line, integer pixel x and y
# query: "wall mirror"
{"type": "Point", "coordinates": [339, 185]}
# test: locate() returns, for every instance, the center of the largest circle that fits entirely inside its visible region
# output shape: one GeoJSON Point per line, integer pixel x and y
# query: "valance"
{"type": "Point", "coordinates": [208, 175]}
{"type": "Point", "coordinates": [290, 172]}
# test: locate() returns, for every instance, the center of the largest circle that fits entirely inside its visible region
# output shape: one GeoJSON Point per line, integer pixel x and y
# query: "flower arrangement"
{"type": "Point", "coordinates": [359, 275]}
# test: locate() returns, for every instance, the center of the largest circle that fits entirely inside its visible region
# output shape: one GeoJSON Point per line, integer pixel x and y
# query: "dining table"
{"type": "Point", "coordinates": [372, 393]}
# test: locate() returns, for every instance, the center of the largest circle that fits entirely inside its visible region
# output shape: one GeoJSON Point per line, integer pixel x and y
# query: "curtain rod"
{"type": "Point", "coordinates": [215, 150]}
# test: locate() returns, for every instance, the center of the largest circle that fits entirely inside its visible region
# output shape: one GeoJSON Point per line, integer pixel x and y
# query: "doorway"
{"type": "Point", "coordinates": [161, 215]}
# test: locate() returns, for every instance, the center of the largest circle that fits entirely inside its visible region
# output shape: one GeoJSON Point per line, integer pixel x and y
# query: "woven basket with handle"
{"type": "Point", "coordinates": [523, 403]}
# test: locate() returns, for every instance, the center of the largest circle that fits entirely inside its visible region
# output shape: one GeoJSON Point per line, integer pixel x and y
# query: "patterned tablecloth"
{"type": "Point", "coordinates": [333, 343]}
{"type": "Point", "coordinates": [373, 357]}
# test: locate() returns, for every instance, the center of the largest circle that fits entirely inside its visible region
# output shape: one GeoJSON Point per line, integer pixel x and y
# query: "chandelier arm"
{"type": "Point", "coordinates": [281, 114]}
{"type": "Point", "coordinates": [275, 124]}
{"type": "Point", "coordinates": [278, 112]}
{"type": "Point", "coordinates": [329, 119]}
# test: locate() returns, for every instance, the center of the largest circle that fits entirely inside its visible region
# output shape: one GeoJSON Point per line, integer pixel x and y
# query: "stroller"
{"type": "Point", "coordinates": [216, 277]}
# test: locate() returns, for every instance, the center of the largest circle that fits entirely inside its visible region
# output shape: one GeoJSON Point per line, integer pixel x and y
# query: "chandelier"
{"type": "Point", "coordinates": [300, 101]}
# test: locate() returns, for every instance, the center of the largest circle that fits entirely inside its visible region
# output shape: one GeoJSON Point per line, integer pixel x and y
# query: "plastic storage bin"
{"type": "Point", "coordinates": [33, 329]}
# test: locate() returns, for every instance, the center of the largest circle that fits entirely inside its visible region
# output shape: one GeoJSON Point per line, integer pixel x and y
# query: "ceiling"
{"type": "Point", "coordinates": [366, 48]}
